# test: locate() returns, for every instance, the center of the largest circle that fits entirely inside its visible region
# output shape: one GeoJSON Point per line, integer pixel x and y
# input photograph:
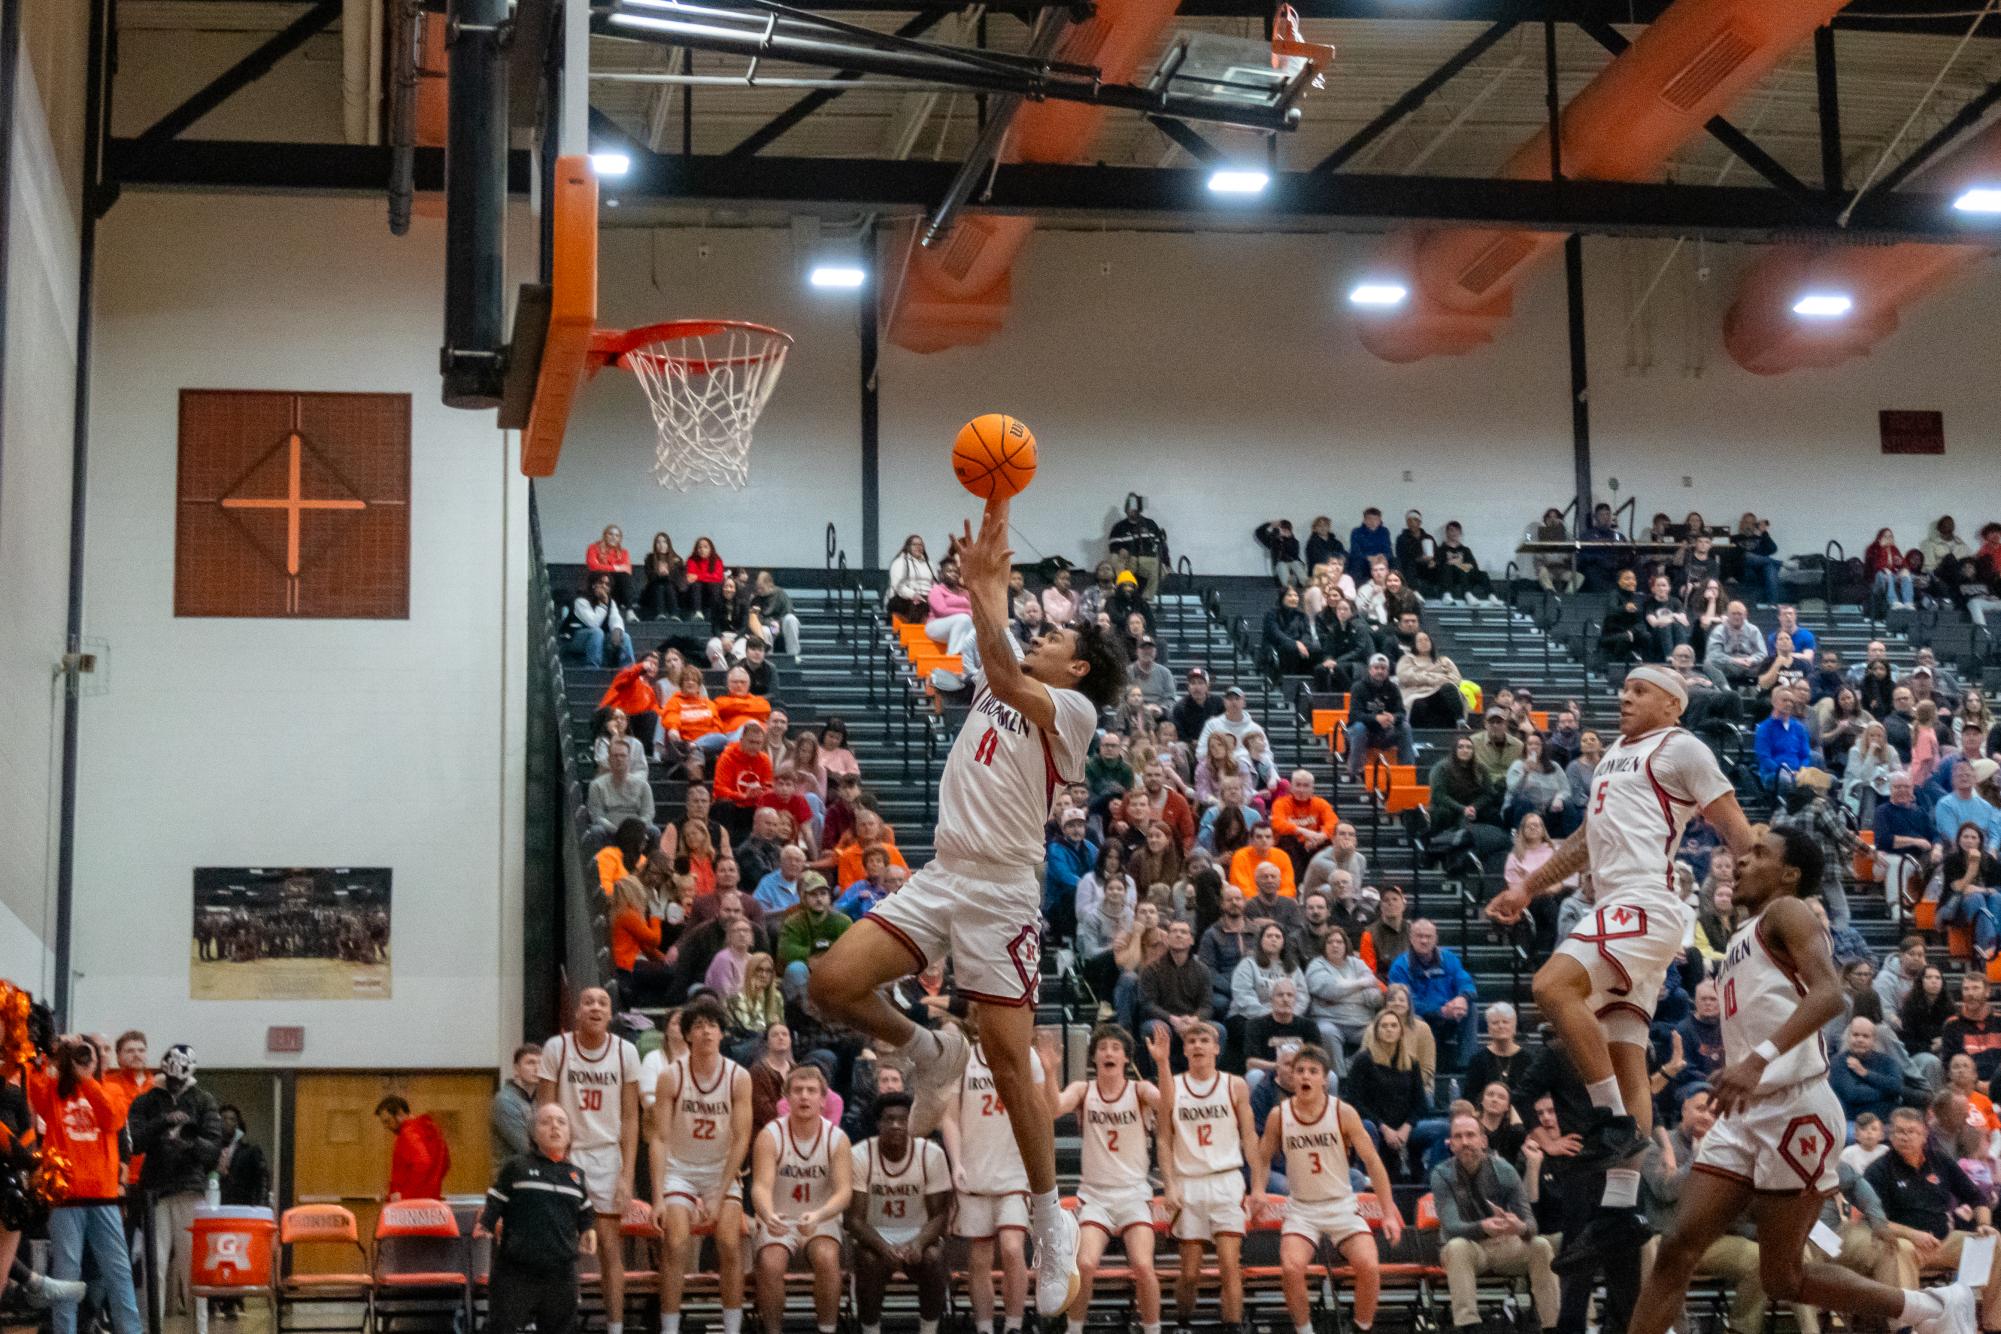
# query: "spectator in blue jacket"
{"type": "Point", "coordinates": [1069, 857]}
{"type": "Point", "coordinates": [1783, 745]}
{"type": "Point", "coordinates": [1442, 992]}
{"type": "Point", "coordinates": [1965, 806]}
{"type": "Point", "coordinates": [1863, 1078]}
{"type": "Point", "coordinates": [1702, 1034]}
{"type": "Point", "coordinates": [1369, 538]}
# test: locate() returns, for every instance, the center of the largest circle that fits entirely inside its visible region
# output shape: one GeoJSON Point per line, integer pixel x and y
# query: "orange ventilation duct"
{"type": "Point", "coordinates": [1766, 338]}
{"type": "Point", "coordinates": [956, 293]}
{"type": "Point", "coordinates": [1691, 64]}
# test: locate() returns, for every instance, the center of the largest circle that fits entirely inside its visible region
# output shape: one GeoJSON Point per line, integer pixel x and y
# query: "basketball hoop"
{"type": "Point", "coordinates": [707, 382]}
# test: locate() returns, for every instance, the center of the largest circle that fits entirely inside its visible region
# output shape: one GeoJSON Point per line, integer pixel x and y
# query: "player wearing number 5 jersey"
{"type": "Point", "coordinates": [1598, 990]}
{"type": "Point", "coordinates": [1774, 1147]}
{"type": "Point", "coordinates": [800, 1182]}
{"type": "Point", "coordinates": [1315, 1133]}
{"type": "Point", "coordinates": [1212, 1135]}
{"type": "Point", "coordinates": [594, 1077]}
{"type": "Point", "coordinates": [980, 901]}
{"type": "Point", "coordinates": [701, 1135]}
{"type": "Point", "coordinates": [991, 1211]}
{"type": "Point", "coordinates": [1117, 1116]}
{"type": "Point", "coordinates": [897, 1217]}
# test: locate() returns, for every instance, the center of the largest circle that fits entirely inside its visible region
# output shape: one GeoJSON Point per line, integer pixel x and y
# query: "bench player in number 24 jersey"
{"type": "Point", "coordinates": [1773, 1149]}
{"type": "Point", "coordinates": [980, 901]}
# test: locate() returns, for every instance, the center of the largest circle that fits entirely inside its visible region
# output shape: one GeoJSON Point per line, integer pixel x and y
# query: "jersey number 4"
{"type": "Point", "coordinates": [984, 751]}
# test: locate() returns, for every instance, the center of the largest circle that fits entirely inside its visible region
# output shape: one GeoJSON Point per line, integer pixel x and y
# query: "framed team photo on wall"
{"type": "Point", "coordinates": [290, 933]}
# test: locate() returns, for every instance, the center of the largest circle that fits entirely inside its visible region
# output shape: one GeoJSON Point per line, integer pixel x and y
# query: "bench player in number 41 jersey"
{"type": "Point", "coordinates": [1774, 1147]}
{"type": "Point", "coordinates": [980, 901]}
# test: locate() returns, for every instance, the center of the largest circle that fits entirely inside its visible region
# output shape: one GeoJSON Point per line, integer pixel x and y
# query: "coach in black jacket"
{"type": "Point", "coordinates": [178, 1126]}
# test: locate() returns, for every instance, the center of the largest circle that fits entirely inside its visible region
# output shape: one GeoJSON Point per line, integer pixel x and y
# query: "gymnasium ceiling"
{"type": "Point", "coordinates": [170, 47]}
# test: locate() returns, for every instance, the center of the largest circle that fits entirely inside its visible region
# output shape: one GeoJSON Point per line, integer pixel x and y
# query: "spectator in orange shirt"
{"type": "Point", "coordinates": [870, 830]}
{"type": "Point", "coordinates": [631, 843]}
{"type": "Point", "coordinates": [743, 774]}
{"type": "Point", "coordinates": [686, 716]}
{"type": "Point", "coordinates": [1245, 861]}
{"type": "Point", "coordinates": [733, 709]}
{"type": "Point", "coordinates": [81, 1122]}
{"type": "Point", "coordinates": [1302, 822]}
{"type": "Point", "coordinates": [632, 691]}
{"type": "Point", "coordinates": [635, 932]}
{"type": "Point", "coordinates": [421, 1158]}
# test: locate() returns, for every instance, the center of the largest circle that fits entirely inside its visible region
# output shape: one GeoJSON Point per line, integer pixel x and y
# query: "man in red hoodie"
{"type": "Point", "coordinates": [420, 1159]}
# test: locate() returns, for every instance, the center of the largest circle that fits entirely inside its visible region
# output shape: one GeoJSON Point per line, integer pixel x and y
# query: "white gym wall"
{"type": "Point", "coordinates": [323, 742]}
{"type": "Point", "coordinates": [1219, 376]}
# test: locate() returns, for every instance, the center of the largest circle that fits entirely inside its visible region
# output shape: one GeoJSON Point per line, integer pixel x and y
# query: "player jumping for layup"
{"type": "Point", "coordinates": [1598, 990]}
{"type": "Point", "coordinates": [979, 901]}
{"type": "Point", "coordinates": [1774, 1149]}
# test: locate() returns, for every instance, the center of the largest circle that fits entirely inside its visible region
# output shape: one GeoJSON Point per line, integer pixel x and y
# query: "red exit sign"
{"type": "Point", "coordinates": [279, 1039]}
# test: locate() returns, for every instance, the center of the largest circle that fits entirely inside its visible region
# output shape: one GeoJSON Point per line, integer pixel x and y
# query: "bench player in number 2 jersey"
{"type": "Point", "coordinates": [1773, 1150]}
{"type": "Point", "coordinates": [980, 901]}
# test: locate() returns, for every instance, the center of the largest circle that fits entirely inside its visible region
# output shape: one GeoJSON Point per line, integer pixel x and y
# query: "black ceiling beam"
{"type": "Point", "coordinates": [1191, 142]}
{"type": "Point", "coordinates": [245, 71]}
{"type": "Point", "coordinates": [1300, 200]}
{"type": "Point", "coordinates": [1417, 96]}
{"type": "Point", "coordinates": [1740, 144]}
{"type": "Point", "coordinates": [1947, 135]}
{"type": "Point", "coordinates": [772, 130]}
{"type": "Point", "coordinates": [228, 164]}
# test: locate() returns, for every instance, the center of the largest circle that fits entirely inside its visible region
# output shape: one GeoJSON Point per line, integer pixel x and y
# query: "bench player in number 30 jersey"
{"type": "Point", "coordinates": [980, 901]}
{"type": "Point", "coordinates": [1773, 1148]}
{"type": "Point", "coordinates": [1598, 990]}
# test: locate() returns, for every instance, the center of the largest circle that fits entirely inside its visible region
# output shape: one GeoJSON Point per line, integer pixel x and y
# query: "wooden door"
{"type": "Point", "coordinates": [341, 1152]}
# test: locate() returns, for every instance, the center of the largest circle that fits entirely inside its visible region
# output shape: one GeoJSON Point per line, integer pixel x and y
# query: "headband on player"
{"type": "Point", "coordinates": [1662, 677]}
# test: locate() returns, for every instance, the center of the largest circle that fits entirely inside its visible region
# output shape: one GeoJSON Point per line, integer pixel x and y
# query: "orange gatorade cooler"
{"type": "Point", "coordinates": [232, 1247]}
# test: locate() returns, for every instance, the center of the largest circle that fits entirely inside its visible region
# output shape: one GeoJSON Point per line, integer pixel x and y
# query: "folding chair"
{"type": "Point", "coordinates": [422, 1269]}
{"type": "Point", "coordinates": [322, 1225]}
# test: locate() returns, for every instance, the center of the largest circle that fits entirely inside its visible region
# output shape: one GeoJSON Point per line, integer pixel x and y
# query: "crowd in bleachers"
{"type": "Point", "coordinates": [1196, 879]}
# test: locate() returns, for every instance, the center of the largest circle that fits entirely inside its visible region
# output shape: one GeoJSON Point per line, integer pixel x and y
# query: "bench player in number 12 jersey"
{"type": "Point", "coordinates": [980, 900]}
{"type": "Point", "coordinates": [1212, 1135]}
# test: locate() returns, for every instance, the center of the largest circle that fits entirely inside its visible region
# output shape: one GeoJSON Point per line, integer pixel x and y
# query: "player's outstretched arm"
{"type": "Point", "coordinates": [1798, 934]}
{"type": "Point", "coordinates": [1570, 858]}
{"type": "Point", "coordinates": [1727, 818]}
{"type": "Point", "coordinates": [1247, 1121]}
{"type": "Point", "coordinates": [1154, 1099]}
{"type": "Point", "coordinates": [984, 560]}
{"type": "Point", "coordinates": [739, 1129]}
{"type": "Point", "coordinates": [1264, 1149]}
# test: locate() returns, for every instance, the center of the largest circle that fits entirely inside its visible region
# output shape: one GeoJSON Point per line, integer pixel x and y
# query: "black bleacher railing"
{"type": "Point", "coordinates": [569, 916]}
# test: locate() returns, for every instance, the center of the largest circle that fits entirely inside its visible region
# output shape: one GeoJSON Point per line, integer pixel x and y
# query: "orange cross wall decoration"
{"type": "Point", "coordinates": [249, 457]}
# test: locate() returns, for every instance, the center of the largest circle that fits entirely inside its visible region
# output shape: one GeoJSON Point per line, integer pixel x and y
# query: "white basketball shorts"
{"type": "Point", "coordinates": [1788, 1140]}
{"type": "Point", "coordinates": [1211, 1206]}
{"type": "Point", "coordinates": [983, 1217]}
{"type": "Point", "coordinates": [986, 917]}
{"type": "Point", "coordinates": [1627, 946]}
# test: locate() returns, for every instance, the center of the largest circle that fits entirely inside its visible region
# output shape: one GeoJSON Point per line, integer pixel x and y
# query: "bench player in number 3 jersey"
{"type": "Point", "coordinates": [1598, 990]}
{"type": "Point", "coordinates": [1773, 1149]}
{"type": "Point", "coordinates": [980, 901]}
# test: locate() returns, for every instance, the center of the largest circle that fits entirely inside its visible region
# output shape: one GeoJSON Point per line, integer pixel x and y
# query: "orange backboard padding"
{"type": "Point", "coordinates": [573, 313]}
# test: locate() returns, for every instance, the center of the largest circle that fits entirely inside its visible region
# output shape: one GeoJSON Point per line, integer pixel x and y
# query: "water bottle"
{"type": "Point", "coordinates": [213, 1196]}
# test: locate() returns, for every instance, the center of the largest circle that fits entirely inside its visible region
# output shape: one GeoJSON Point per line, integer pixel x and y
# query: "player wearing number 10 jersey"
{"type": "Point", "coordinates": [1773, 1148]}
{"type": "Point", "coordinates": [980, 901]}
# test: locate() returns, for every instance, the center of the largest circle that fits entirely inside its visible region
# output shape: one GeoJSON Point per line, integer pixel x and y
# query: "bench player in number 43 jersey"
{"type": "Point", "coordinates": [1773, 1149]}
{"type": "Point", "coordinates": [1598, 990]}
{"type": "Point", "coordinates": [980, 901]}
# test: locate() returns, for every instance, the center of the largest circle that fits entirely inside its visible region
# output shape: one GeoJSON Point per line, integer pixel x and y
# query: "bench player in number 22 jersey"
{"type": "Point", "coordinates": [1031, 723]}
{"type": "Point", "coordinates": [1773, 1150]}
{"type": "Point", "coordinates": [1598, 990]}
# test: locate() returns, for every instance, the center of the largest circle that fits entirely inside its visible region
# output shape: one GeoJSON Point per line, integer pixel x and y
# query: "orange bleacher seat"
{"type": "Point", "coordinates": [1540, 717]}
{"type": "Point", "coordinates": [1865, 856]}
{"type": "Point", "coordinates": [1330, 720]}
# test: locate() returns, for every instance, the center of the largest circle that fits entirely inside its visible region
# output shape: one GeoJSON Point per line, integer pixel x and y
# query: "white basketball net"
{"type": "Point", "coordinates": [707, 390]}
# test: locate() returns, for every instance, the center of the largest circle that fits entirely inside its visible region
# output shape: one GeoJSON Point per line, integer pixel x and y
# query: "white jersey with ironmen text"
{"type": "Point", "coordinates": [1115, 1156]}
{"type": "Point", "coordinates": [994, 798]}
{"type": "Point", "coordinates": [1642, 794]}
{"type": "Point", "coordinates": [698, 1121]}
{"type": "Point", "coordinates": [896, 1192]}
{"type": "Point", "coordinates": [1316, 1160]}
{"type": "Point", "coordinates": [589, 1085]}
{"type": "Point", "coordinates": [986, 1136]}
{"type": "Point", "coordinates": [804, 1179]}
{"type": "Point", "coordinates": [1206, 1138]}
{"type": "Point", "coordinates": [1760, 992]}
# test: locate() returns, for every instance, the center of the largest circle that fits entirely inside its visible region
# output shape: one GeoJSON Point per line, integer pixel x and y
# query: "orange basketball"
{"type": "Point", "coordinates": [994, 456]}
